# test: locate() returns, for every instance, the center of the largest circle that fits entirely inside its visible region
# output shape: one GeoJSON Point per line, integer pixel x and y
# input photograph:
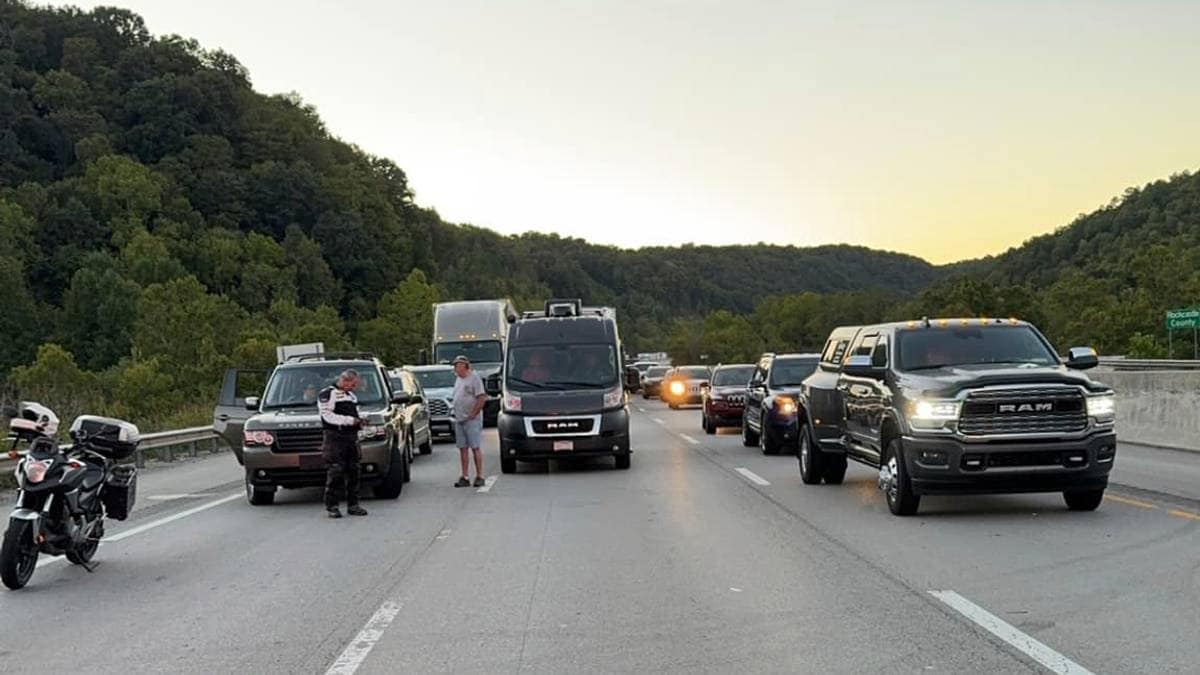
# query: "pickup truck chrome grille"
{"type": "Point", "coordinates": [1034, 410]}
{"type": "Point", "coordinates": [438, 407]}
{"type": "Point", "coordinates": [298, 440]}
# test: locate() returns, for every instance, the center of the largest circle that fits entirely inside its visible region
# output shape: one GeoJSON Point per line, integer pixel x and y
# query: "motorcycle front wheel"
{"type": "Point", "coordinates": [18, 554]}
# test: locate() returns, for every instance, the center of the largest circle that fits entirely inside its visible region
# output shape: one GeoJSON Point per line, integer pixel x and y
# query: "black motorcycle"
{"type": "Point", "coordinates": [65, 493]}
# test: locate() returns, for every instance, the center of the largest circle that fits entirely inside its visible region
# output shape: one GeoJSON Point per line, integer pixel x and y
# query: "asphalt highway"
{"type": "Point", "coordinates": [706, 556]}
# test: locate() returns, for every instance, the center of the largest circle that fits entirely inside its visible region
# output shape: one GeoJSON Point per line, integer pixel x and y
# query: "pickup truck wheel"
{"type": "Point", "coordinates": [258, 496]}
{"type": "Point", "coordinates": [811, 460]}
{"type": "Point", "coordinates": [749, 438]}
{"type": "Point", "coordinates": [834, 471]}
{"type": "Point", "coordinates": [1084, 500]}
{"type": "Point", "coordinates": [897, 488]}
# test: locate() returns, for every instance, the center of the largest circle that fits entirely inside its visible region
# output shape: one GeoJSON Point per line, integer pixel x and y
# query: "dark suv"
{"type": "Point", "coordinates": [958, 406]}
{"type": "Point", "coordinates": [725, 398]}
{"type": "Point", "coordinates": [770, 419]}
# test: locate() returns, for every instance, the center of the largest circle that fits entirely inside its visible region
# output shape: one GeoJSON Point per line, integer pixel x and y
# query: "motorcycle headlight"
{"type": "Point", "coordinates": [1103, 407]}
{"type": "Point", "coordinates": [35, 470]}
{"type": "Point", "coordinates": [933, 413]}
{"type": "Point", "coordinates": [614, 398]}
{"type": "Point", "coordinates": [371, 431]}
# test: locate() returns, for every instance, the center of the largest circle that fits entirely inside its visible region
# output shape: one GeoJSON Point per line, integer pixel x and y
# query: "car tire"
{"type": "Point", "coordinates": [901, 499]}
{"type": "Point", "coordinates": [393, 483]}
{"type": "Point", "coordinates": [408, 455]}
{"type": "Point", "coordinates": [426, 448]}
{"type": "Point", "coordinates": [507, 464]}
{"type": "Point", "coordinates": [673, 406]}
{"type": "Point", "coordinates": [258, 496]}
{"type": "Point", "coordinates": [770, 446]}
{"type": "Point", "coordinates": [810, 458]}
{"type": "Point", "coordinates": [749, 438]}
{"type": "Point", "coordinates": [710, 428]}
{"type": "Point", "coordinates": [623, 459]}
{"type": "Point", "coordinates": [834, 471]}
{"type": "Point", "coordinates": [1083, 500]}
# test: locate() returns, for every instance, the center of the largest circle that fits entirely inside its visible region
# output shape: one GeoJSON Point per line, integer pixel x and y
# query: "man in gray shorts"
{"type": "Point", "coordinates": [469, 399]}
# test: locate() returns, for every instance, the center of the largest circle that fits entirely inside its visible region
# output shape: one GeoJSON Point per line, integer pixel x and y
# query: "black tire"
{"type": "Point", "coordinates": [490, 421]}
{"type": "Point", "coordinates": [673, 406]}
{"type": "Point", "coordinates": [749, 438]}
{"type": "Point", "coordinates": [508, 464]}
{"type": "Point", "coordinates": [709, 427]}
{"type": "Point", "coordinates": [811, 459]}
{"type": "Point", "coordinates": [393, 483]}
{"type": "Point", "coordinates": [258, 496]}
{"type": "Point", "coordinates": [770, 446]}
{"type": "Point", "coordinates": [426, 448]}
{"type": "Point", "coordinates": [18, 554]}
{"type": "Point", "coordinates": [646, 395]}
{"type": "Point", "coordinates": [408, 458]}
{"type": "Point", "coordinates": [834, 471]}
{"type": "Point", "coordinates": [623, 460]}
{"type": "Point", "coordinates": [85, 553]}
{"type": "Point", "coordinates": [1083, 500]}
{"type": "Point", "coordinates": [901, 499]}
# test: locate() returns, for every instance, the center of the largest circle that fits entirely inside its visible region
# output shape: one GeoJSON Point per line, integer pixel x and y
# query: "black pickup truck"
{"type": "Point", "coordinates": [957, 406]}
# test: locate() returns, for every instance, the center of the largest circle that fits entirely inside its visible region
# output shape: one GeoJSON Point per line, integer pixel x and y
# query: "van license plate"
{"type": "Point", "coordinates": [564, 445]}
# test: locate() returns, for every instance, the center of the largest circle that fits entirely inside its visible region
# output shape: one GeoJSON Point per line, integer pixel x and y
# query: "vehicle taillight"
{"type": "Point", "coordinates": [257, 438]}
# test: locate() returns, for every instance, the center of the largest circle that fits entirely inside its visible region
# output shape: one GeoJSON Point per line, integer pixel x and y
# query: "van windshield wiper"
{"type": "Point", "coordinates": [539, 385]}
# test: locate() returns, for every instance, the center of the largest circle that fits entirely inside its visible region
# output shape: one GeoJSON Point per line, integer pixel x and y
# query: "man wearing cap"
{"type": "Point", "coordinates": [469, 399]}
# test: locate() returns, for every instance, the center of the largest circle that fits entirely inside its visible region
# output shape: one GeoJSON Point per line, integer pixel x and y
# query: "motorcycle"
{"type": "Point", "coordinates": [65, 494]}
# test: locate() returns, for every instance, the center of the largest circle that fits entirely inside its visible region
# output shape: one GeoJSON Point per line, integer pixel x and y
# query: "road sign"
{"type": "Point", "coordinates": [1183, 318]}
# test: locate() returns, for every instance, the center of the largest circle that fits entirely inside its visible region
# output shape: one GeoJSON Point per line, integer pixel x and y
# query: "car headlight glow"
{"type": "Point", "coordinates": [1102, 407]}
{"type": "Point", "coordinates": [785, 406]}
{"type": "Point", "coordinates": [677, 388]}
{"type": "Point", "coordinates": [933, 413]}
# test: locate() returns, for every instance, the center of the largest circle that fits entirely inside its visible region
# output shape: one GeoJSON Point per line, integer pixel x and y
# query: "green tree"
{"type": "Point", "coordinates": [99, 313]}
{"type": "Point", "coordinates": [55, 380]}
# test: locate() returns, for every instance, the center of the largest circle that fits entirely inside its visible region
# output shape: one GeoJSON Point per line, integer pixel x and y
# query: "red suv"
{"type": "Point", "coordinates": [725, 398]}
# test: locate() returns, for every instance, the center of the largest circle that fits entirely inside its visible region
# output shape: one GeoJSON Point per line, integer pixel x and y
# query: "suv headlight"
{"type": "Point", "coordinates": [785, 406]}
{"type": "Point", "coordinates": [678, 388]}
{"type": "Point", "coordinates": [257, 438]}
{"type": "Point", "coordinates": [933, 413]}
{"type": "Point", "coordinates": [1103, 407]}
{"type": "Point", "coordinates": [614, 398]}
{"type": "Point", "coordinates": [371, 431]}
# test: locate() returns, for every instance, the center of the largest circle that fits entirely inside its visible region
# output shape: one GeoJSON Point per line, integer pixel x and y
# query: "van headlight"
{"type": "Point", "coordinates": [928, 413]}
{"type": "Point", "coordinates": [512, 402]}
{"type": "Point", "coordinates": [1102, 407]}
{"type": "Point", "coordinates": [614, 398]}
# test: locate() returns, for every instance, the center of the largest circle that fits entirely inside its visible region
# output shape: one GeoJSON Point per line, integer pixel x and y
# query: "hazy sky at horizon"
{"type": "Point", "coordinates": [948, 130]}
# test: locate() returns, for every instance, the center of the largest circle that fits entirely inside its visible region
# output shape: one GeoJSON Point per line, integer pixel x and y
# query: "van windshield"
{"type": "Point", "coordinates": [559, 367]}
{"type": "Point", "coordinates": [297, 387]}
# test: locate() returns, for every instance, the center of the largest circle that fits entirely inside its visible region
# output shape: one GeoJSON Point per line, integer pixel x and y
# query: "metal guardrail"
{"type": "Point", "coordinates": [163, 445]}
{"type": "Point", "coordinates": [1122, 363]}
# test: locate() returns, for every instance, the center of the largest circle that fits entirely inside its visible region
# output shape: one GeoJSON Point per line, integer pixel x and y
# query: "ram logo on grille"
{"type": "Point", "coordinates": [562, 426]}
{"type": "Point", "coordinates": [1036, 406]}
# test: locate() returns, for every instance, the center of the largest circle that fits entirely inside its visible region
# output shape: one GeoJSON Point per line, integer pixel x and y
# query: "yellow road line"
{"type": "Point", "coordinates": [1132, 502]}
{"type": "Point", "coordinates": [1185, 514]}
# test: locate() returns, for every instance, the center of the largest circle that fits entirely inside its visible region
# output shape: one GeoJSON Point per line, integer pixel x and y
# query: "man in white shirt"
{"type": "Point", "coordinates": [469, 399]}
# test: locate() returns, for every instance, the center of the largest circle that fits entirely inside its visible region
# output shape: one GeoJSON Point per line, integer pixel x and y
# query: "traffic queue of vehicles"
{"type": "Point", "coordinates": [941, 407]}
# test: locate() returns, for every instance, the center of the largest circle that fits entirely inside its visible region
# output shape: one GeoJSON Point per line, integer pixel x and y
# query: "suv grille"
{"type": "Point", "coordinates": [298, 440]}
{"type": "Point", "coordinates": [438, 407]}
{"type": "Point", "coordinates": [1043, 410]}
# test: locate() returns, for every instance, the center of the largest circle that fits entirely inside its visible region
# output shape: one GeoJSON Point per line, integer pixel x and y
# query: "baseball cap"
{"type": "Point", "coordinates": [462, 359]}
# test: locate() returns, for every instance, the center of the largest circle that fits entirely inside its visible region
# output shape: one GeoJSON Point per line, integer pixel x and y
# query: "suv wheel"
{"type": "Point", "coordinates": [426, 448]}
{"type": "Point", "coordinates": [770, 446]}
{"type": "Point", "coordinates": [893, 478]}
{"type": "Point", "coordinates": [393, 483]}
{"type": "Point", "coordinates": [749, 438]}
{"type": "Point", "coordinates": [1084, 500]}
{"type": "Point", "coordinates": [258, 496]}
{"type": "Point", "coordinates": [812, 460]}
{"type": "Point", "coordinates": [408, 458]}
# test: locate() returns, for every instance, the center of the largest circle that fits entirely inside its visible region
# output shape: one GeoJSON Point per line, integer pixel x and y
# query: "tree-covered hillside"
{"type": "Point", "coordinates": [160, 220]}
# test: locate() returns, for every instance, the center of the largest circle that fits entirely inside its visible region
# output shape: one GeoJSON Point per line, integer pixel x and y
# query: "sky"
{"type": "Point", "coordinates": [948, 130]}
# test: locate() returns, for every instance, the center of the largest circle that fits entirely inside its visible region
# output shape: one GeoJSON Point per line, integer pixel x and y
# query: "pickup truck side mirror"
{"type": "Point", "coordinates": [492, 384]}
{"type": "Point", "coordinates": [252, 403]}
{"type": "Point", "coordinates": [1082, 358]}
{"type": "Point", "coordinates": [860, 365]}
{"type": "Point", "coordinates": [633, 378]}
{"type": "Point", "coordinates": [401, 398]}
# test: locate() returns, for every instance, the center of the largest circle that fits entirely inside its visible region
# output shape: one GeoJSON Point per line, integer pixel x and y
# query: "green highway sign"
{"type": "Point", "coordinates": [1183, 318]}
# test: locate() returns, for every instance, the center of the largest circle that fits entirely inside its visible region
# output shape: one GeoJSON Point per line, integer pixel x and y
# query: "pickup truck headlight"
{"type": "Point", "coordinates": [614, 398]}
{"type": "Point", "coordinates": [1103, 407]}
{"type": "Point", "coordinates": [933, 413]}
{"type": "Point", "coordinates": [371, 431]}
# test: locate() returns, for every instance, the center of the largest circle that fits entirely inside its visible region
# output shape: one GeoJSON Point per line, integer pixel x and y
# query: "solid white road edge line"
{"type": "Point", "coordinates": [752, 477]}
{"type": "Point", "coordinates": [689, 439]}
{"type": "Point", "coordinates": [356, 652]}
{"type": "Point", "coordinates": [1052, 660]}
{"type": "Point", "coordinates": [488, 483]}
{"type": "Point", "coordinates": [658, 420]}
{"type": "Point", "coordinates": [172, 518]}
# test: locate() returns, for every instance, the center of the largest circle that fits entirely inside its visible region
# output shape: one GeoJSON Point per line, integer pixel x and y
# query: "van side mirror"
{"type": "Point", "coordinates": [252, 403]}
{"type": "Point", "coordinates": [633, 378]}
{"type": "Point", "coordinates": [492, 385]}
{"type": "Point", "coordinates": [860, 365]}
{"type": "Point", "coordinates": [1082, 358]}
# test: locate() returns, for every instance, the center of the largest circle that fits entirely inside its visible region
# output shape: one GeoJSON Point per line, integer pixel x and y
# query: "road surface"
{"type": "Point", "coordinates": [706, 556]}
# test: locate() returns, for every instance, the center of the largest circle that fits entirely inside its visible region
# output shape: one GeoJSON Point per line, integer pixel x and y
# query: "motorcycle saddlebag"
{"type": "Point", "coordinates": [120, 492]}
{"type": "Point", "coordinates": [113, 438]}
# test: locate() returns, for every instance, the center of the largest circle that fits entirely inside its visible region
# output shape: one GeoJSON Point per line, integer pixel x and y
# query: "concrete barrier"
{"type": "Point", "coordinates": [1156, 407]}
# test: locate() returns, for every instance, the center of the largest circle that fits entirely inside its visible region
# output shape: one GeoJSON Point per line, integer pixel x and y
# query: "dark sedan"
{"type": "Point", "coordinates": [725, 399]}
{"type": "Point", "coordinates": [652, 381]}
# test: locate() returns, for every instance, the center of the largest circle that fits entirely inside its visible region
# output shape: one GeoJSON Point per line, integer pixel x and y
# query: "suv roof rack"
{"type": "Point", "coordinates": [332, 356]}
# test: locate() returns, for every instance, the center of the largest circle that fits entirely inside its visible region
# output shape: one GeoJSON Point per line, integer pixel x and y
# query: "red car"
{"type": "Point", "coordinates": [724, 400]}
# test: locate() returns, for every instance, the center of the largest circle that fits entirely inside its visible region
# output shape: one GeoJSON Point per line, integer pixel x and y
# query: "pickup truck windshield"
{"type": "Point", "coordinates": [435, 379]}
{"type": "Point", "coordinates": [790, 373]}
{"type": "Point", "coordinates": [930, 348]}
{"type": "Point", "coordinates": [477, 352]}
{"type": "Point", "coordinates": [728, 377]}
{"type": "Point", "coordinates": [298, 386]}
{"type": "Point", "coordinates": [558, 367]}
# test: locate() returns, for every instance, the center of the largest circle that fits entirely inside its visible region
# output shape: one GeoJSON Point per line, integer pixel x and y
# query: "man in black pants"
{"type": "Point", "coordinates": [340, 421]}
